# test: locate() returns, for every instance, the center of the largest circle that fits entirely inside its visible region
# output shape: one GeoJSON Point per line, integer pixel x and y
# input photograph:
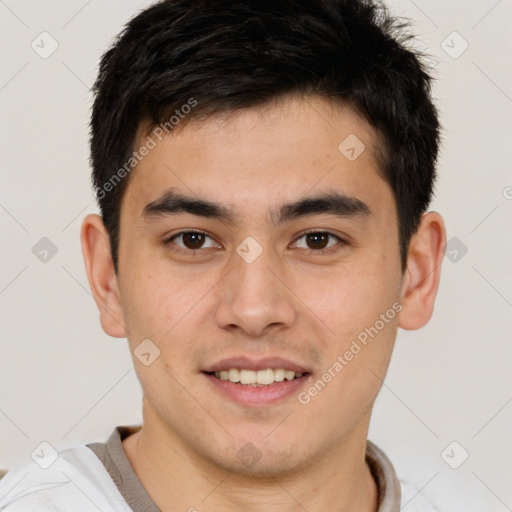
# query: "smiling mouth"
{"type": "Point", "coordinates": [257, 378]}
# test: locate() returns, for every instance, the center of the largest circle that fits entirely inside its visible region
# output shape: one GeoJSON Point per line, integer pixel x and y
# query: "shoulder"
{"type": "Point", "coordinates": [433, 489]}
{"type": "Point", "coordinates": [413, 500]}
{"type": "Point", "coordinates": [74, 479]}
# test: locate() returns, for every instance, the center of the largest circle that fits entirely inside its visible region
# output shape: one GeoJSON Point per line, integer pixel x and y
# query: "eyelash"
{"type": "Point", "coordinates": [181, 250]}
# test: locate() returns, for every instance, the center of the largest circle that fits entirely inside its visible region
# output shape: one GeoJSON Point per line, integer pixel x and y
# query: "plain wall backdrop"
{"type": "Point", "coordinates": [64, 381]}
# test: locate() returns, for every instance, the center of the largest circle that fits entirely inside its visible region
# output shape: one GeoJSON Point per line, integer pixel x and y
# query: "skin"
{"type": "Point", "coordinates": [290, 302]}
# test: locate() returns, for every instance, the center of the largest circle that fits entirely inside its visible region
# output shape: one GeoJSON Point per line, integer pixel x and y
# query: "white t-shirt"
{"type": "Point", "coordinates": [99, 477]}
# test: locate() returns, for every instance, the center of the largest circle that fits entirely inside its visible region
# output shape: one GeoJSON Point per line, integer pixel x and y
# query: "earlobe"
{"type": "Point", "coordinates": [101, 275]}
{"type": "Point", "coordinates": [421, 278]}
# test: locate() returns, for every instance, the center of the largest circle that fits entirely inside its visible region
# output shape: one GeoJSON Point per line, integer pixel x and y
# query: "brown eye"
{"type": "Point", "coordinates": [191, 241]}
{"type": "Point", "coordinates": [318, 241]}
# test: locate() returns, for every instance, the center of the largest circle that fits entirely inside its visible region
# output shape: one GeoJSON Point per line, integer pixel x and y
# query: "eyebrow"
{"type": "Point", "coordinates": [334, 203]}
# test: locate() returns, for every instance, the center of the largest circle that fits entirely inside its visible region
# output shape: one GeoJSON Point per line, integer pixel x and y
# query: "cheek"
{"type": "Point", "coordinates": [352, 375]}
{"type": "Point", "coordinates": [359, 306]}
{"type": "Point", "coordinates": [350, 298]}
{"type": "Point", "coordinates": [156, 294]}
{"type": "Point", "coordinates": [148, 302]}
{"type": "Point", "coordinates": [169, 308]}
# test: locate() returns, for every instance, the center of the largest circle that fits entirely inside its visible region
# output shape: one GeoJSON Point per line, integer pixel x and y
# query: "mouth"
{"type": "Point", "coordinates": [256, 383]}
{"type": "Point", "coordinates": [259, 378]}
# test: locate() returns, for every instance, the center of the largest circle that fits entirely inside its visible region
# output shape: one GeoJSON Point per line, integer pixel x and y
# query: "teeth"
{"type": "Point", "coordinates": [233, 375]}
{"type": "Point", "coordinates": [265, 376]}
{"type": "Point", "coordinates": [247, 377]}
{"type": "Point", "coordinates": [257, 378]}
{"type": "Point", "coordinates": [289, 375]}
{"type": "Point", "coordinates": [279, 375]}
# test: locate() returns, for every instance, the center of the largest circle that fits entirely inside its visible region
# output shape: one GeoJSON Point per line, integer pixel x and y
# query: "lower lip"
{"type": "Point", "coordinates": [257, 395]}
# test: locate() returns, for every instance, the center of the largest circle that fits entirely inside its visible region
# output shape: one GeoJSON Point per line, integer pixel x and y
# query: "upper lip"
{"type": "Point", "coordinates": [247, 363]}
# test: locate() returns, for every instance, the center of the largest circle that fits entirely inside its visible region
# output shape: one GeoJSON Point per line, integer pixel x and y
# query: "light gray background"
{"type": "Point", "coordinates": [64, 381]}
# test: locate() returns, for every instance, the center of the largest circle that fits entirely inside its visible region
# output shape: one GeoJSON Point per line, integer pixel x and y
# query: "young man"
{"type": "Point", "coordinates": [263, 171]}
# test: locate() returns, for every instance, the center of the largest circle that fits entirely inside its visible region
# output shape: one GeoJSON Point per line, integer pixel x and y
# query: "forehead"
{"type": "Point", "coordinates": [254, 156]}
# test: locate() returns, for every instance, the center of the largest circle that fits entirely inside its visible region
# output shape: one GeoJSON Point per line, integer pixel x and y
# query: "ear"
{"type": "Point", "coordinates": [421, 277]}
{"type": "Point", "coordinates": [101, 275]}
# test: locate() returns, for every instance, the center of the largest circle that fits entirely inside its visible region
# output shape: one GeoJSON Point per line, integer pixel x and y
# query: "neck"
{"type": "Point", "coordinates": [178, 478]}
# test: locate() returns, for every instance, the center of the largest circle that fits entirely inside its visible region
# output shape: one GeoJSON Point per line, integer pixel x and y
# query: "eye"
{"type": "Point", "coordinates": [191, 241]}
{"type": "Point", "coordinates": [318, 241]}
{"type": "Point", "coordinates": [313, 241]}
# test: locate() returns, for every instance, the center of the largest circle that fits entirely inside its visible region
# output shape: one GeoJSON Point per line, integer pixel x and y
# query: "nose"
{"type": "Point", "coordinates": [255, 297]}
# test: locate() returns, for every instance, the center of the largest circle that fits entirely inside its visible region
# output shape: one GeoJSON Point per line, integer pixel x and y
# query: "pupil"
{"type": "Point", "coordinates": [193, 240]}
{"type": "Point", "coordinates": [319, 240]}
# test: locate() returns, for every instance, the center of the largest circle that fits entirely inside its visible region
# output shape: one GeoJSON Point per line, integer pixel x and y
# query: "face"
{"type": "Point", "coordinates": [294, 267]}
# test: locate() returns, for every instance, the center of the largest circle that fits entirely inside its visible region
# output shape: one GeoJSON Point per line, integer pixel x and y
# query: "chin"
{"type": "Point", "coordinates": [267, 466]}
{"type": "Point", "coordinates": [266, 458]}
